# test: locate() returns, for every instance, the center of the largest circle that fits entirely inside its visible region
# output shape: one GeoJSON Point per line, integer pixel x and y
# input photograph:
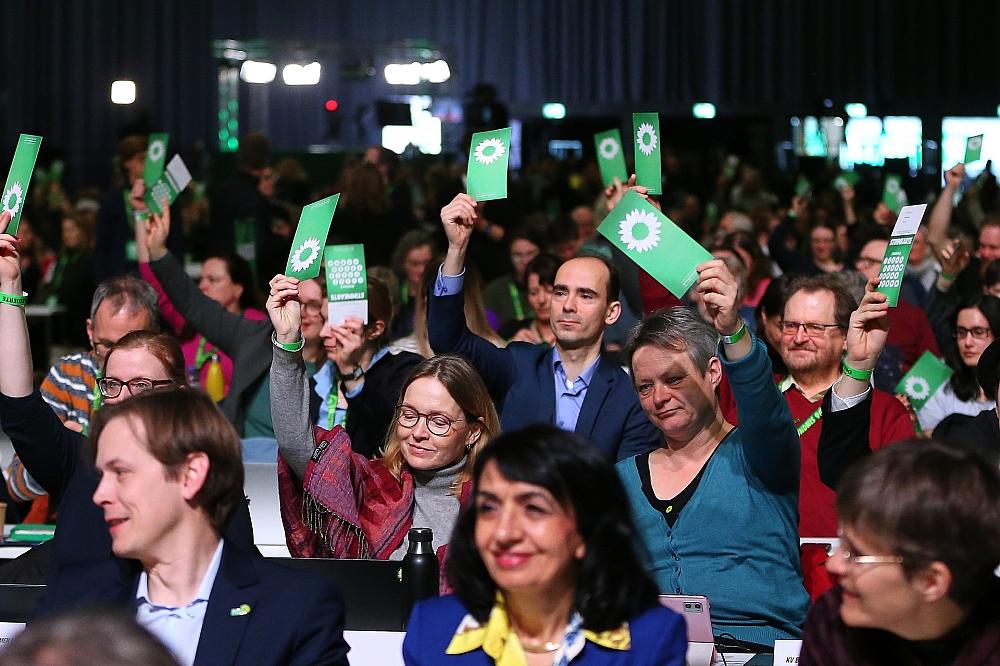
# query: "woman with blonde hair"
{"type": "Point", "coordinates": [337, 503]}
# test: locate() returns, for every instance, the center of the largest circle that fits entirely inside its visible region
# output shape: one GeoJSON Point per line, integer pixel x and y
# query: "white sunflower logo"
{"type": "Point", "coordinates": [300, 263]}
{"type": "Point", "coordinates": [918, 388]}
{"type": "Point", "coordinates": [647, 146]}
{"type": "Point", "coordinates": [608, 148]}
{"type": "Point", "coordinates": [892, 186]}
{"type": "Point", "coordinates": [640, 230]}
{"type": "Point", "coordinates": [12, 199]}
{"type": "Point", "coordinates": [496, 151]}
{"type": "Point", "coordinates": [975, 143]}
{"type": "Point", "coordinates": [156, 151]}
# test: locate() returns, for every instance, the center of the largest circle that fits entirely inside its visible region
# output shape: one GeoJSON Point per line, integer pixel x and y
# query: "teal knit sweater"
{"type": "Point", "coordinates": [736, 540]}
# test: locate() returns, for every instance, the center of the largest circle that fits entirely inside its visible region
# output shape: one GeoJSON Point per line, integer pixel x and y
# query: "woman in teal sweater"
{"type": "Point", "coordinates": [717, 505]}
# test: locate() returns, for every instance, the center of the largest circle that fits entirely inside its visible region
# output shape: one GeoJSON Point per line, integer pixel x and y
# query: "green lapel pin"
{"type": "Point", "coordinates": [242, 609]}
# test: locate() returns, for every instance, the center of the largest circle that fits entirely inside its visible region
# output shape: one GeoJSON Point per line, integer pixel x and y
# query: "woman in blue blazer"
{"type": "Point", "coordinates": [543, 567]}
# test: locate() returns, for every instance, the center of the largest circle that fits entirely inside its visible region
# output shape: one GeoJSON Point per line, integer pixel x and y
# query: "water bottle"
{"type": "Point", "coordinates": [214, 383]}
{"type": "Point", "coordinates": [420, 569]}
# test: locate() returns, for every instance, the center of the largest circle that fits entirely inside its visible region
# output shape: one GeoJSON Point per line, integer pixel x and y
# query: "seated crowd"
{"type": "Point", "coordinates": [579, 442]}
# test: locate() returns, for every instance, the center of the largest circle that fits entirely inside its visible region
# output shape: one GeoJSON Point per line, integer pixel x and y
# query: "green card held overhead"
{"type": "Point", "coordinates": [487, 172]}
{"type": "Point", "coordinates": [156, 157]}
{"type": "Point", "coordinates": [846, 179]}
{"type": "Point", "coordinates": [170, 184]}
{"type": "Point", "coordinates": [893, 195]}
{"type": "Point", "coordinates": [610, 157]}
{"type": "Point", "coordinates": [346, 283]}
{"type": "Point", "coordinates": [924, 379]}
{"type": "Point", "coordinates": [646, 136]}
{"type": "Point", "coordinates": [15, 190]}
{"type": "Point", "coordinates": [897, 253]}
{"type": "Point", "coordinates": [973, 149]}
{"type": "Point", "coordinates": [803, 187]}
{"type": "Point", "coordinates": [654, 242]}
{"type": "Point", "coordinates": [304, 261]}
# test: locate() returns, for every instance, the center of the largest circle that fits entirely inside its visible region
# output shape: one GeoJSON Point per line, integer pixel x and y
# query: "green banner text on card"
{"type": "Point", "coordinates": [654, 242]}
{"type": "Point", "coordinates": [487, 171]}
{"type": "Point", "coordinates": [610, 156]}
{"type": "Point", "coordinates": [646, 140]}
{"type": "Point", "coordinates": [897, 253]}
{"type": "Point", "coordinates": [15, 190]}
{"type": "Point", "coordinates": [169, 185]}
{"type": "Point", "coordinates": [304, 260]}
{"type": "Point", "coordinates": [156, 157]}
{"type": "Point", "coordinates": [346, 282]}
{"type": "Point", "coordinates": [924, 379]}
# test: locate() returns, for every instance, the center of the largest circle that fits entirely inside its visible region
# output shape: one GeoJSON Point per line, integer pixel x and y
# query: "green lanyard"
{"type": "Point", "coordinates": [202, 355]}
{"type": "Point", "coordinates": [515, 299]}
{"type": "Point", "coordinates": [96, 399]}
{"type": "Point", "coordinates": [331, 407]}
{"type": "Point", "coordinates": [812, 419]}
{"type": "Point", "coordinates": [404, 294]}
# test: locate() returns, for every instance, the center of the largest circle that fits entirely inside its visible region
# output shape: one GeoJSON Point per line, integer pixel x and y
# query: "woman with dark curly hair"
{"type": "Point", "coordinates": [543, 567]}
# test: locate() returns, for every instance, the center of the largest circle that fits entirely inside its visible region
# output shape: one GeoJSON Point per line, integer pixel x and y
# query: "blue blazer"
{"type": "Point", "coordinates": [295, 617]}
{"type": "Point", "coordinates": [521, 383]}
{"type": "Point", "coordinates": [659, 638]}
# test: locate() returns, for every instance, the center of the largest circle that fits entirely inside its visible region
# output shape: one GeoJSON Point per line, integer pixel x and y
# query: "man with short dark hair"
{"type": "Point", "coordinates": [569, 385]}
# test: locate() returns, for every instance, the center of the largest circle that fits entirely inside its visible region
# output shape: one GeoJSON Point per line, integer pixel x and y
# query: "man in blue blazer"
{"type": "Point", "coordinates": [570, 385]}
{"type": "Point", "coordinates": [171, 476]}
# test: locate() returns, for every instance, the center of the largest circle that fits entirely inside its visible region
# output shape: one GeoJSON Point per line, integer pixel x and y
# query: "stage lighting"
{"type": "Point", "coordinates": [301, 75]}
{"type": "Point", "coordinates": [255, 71]}
{"type": "Point", "coordinates": [402, 74]}
{"type": "Point", "coordinates": [435, 72]}
{"type": "Point", "coordinates": [553, 111]}
{"type": "Point", "coordinates": [703, 110]}
{"type": "Point", "coordinates": [856, 110]}
{"type": "Point", "coordinates": [123, 92]}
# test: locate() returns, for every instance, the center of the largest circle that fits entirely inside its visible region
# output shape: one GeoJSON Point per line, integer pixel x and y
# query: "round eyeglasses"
{"type": "Point", "coordinates": [437, 424]}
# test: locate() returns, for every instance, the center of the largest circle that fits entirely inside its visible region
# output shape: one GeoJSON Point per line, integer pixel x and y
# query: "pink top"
{"type": "Point", "coordinates": [191, 340]}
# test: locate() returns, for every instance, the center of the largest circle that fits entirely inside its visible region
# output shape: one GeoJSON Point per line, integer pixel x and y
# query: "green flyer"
{"type": "Point", "coordinates": [803, 187]}
{"type": "Point", "coordinates": [973, 149]}
{"type": "Point", "coordinates": [346, 283]}
{"type": "Point", "coordinates": [610, 157]}
{"type": "Point", "coordinates": [924, 379]}
{"type": "Point", "coordinates": [846, 179]}
{"type": "Point", "coordinates": [487, 173]}
{"type": "Point", "coordinates": [894, 196]}
{"type": "Point", "coordinates": [897, 253]}
{"type": "Point", "coordinates": [156, 156]}
{"type": "Point", "coordinates": [654, 242]}
{"type": "Point", "coordinates": [15, 190]}
{"type": "Point", "coordinates": [170, 184]}
{"type": "Point", "coordinates": [646, 136]}
{"type": "Point", "coordinates": [304, 260]}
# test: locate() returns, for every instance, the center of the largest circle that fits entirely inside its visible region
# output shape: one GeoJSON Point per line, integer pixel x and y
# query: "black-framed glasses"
{"type": "Point", "coordinates": [111, 387]}
{"type": "Point", "coordinates": [977, 332]}
{"type": "Point", "coordinates": [813, 330]}
{"type": "Point", "coordinates": [437, 424]}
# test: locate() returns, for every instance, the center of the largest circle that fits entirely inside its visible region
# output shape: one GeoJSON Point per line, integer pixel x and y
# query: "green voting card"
{"type": "Point", "coordinates": [646, 136]}
{"type": "Point", "coordinates": [897, 253]}
{"type": "Point", "coordinates": [304, 260]}
{"type": "Point", "coordinates": [654, 242]}
{"type": "Point", "coordinates": [973, 149]}
{"type": "Point", "coordinates": [487, 173]}
{"type": "Point", "coordinates": [610, 157]}
{"type": "Point", "coordinates": [893, 195]}
{"type": "Point", "coordinates": [803, 187]}
{"type": "Point", "coordinates": [846, 179]}
{"type": "Point", "coordinates": [15, 190]}
{"type": "Point", "coordinates": [346, 283]}
{"type": "Point", "coordinates": [170, 184]}
{"type": "Point", "coordinates": [924, 379]}
{"type": "Point", "coordinates": [156, 157]}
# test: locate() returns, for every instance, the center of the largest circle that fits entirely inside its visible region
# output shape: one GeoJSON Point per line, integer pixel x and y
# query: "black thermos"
{"type": "Point", "coordinates": [420, 569]}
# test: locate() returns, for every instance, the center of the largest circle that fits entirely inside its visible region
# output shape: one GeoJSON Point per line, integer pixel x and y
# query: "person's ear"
{"type": "Point", "coordinates": [90, 331]}
{"type": "Point", "coordinates": [476, 430]}
{"type": "Point", "coordinates": [194, 473]}
{"type": "Point", "coordinates": [714, 371]}
{"type": "Point", "coordinates": [934, 582]}
{"type": "Point", "coordinates": [375, 329]}
{"type": "Point", "coordinates": [239, 291]}
{"type": "Point", "coordinates": [613, 313]}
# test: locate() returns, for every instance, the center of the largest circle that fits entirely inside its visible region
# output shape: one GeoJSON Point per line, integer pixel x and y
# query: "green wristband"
{"type": "Point", "coordinates": [11, 299]}
{"type": "Point", "coordinates": [293, 347]}
{"type": "Point", "coordinates": [949, 278]}
{"type": "Point", "coordinates": [854, 373]}
{"type": "Point", "coordinates": [737, 336]}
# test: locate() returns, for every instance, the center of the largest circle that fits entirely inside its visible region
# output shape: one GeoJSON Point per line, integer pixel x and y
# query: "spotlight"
{"type": "Point", "coordinates": [254, 71]}
{"type": "Point", "coordinates": [553, 111]}
{"type": "Point", "coordinates": [703, 110]}
{"type": "Point", "coordinates": [856, 110]}
{"type": "Point", "coordinates": [123, 92]}
{"type": "Point", "coordinates": [301, 75]}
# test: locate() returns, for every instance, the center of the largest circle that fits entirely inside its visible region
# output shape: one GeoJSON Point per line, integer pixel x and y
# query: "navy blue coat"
{"type": "Point", "coordinates": [295, 617]}
{"type": "Point", "coordinates": [520, 381]}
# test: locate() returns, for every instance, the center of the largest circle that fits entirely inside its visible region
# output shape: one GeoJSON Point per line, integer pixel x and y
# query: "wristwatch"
{"type": "Point", "coordinates": [356, 375]}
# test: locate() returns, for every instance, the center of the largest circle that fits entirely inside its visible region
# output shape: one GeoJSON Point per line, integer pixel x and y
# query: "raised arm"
{"type": "Point", "coordinates": [289, 384]}
{"type": "Point", "coordinates": [15, 361]}
{"type": "Point", "coordinates": [940, 217]}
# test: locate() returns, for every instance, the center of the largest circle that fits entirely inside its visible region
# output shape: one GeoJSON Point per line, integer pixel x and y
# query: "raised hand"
{"type": "Point", "coordinates": [719, 291]}
{"type": "Point", "coordinates": [459, 218]}
{"type": "Point", "coordinates": [157, 231]}
{"type": "Point", "coordinates": [284, 309]}
{"type": "Point", "coordinates": [10, 261]}
{"type": "Point", "coordinates": [350, 337]}
{"type": "Point", "coordinates": [954, 176]}
{"type": "Point", "coordinates": [614, 192]}
{"type": "Point", "coordinates": [868, 329]}
{"type": "Point", "coordinates": [953, 257]}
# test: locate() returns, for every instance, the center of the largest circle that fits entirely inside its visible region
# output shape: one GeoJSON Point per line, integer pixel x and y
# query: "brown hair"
{"type": "Point", "coordinates": [844, 303]}
{"type": "Point", "coordinates": [475, 309]}
{"type": "Point", "coordinates": [164, 347]}
{"type": "Point", "coordinates": [131, 146]}
{"type": "Point", "coordinates": [466, 388]}
{"type": "Point", "coordinates": [85, 225]}
{"type": "Point", "coordinates": [930, 502]}
{"type": "Point", "coordinates": [179, 422]}
{"type": "Point", "coordinates": [364, 189]}
{"type": "Point", "coordinates": [379, 308]}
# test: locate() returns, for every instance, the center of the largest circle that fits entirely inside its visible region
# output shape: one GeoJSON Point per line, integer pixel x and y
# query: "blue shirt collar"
{"type": "Point", "coordinates": [585, 376]}
{"type": "Point", "coordinates": [204, 590]}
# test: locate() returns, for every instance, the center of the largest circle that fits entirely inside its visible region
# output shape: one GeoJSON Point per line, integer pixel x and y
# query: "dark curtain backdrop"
{"type": "Point", "coordinates": [780, 56]}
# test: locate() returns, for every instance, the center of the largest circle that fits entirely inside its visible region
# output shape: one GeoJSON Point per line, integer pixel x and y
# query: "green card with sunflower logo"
{"type": "Point", "coordinates": [15, 190]}
{"type": "Point", "coordinates": [646, 138]}
{"type": "Point", "coordinates": [610, 157]}
{"type": "Point", "coordinates": [654, 242]}
{"type": "Point", "coordinates": [306, 257]}
{"type": "Point", "coordinates": [487, 173]}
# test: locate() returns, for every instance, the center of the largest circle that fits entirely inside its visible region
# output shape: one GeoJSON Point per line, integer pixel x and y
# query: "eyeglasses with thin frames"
{"type": "Point", "coordinates": [437, 424]}
{"type": "Point", "coordinates": [813, 330]}
{"type": "Point", "coordinates": [111, 387]}
{"type": "Point", "coordinates": [844, 552]}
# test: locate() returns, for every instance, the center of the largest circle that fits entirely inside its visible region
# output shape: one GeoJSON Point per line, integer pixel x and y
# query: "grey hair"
{"type": "Point", "coordinates": [127, 293]}
{"type": "Point", "coordinates": [675, 329]}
